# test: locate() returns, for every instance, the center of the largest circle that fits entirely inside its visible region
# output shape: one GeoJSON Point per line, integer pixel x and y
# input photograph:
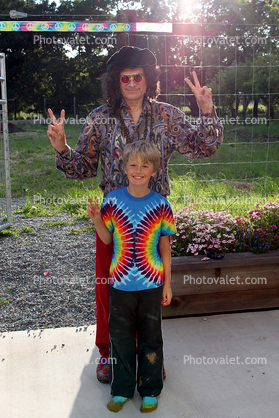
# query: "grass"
{"type": "Point", "coordinates": [243, 171]}
{"type": "Point", "coordinates": [16, 231]}
{"type": "Point", "coordinates": [87, 229]}
{"type": "Point", "coordinates": [55, 223]}
{"type": "Point", "coordinates": [4, 302]}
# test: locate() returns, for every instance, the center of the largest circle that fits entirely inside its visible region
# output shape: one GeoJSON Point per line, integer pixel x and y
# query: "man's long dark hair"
{"type": "Point", "coordinates": [111, 87]}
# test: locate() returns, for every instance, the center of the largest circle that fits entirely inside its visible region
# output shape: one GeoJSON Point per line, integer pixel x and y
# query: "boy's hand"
{"type": "Point", "coordinates": [95, 214]}
{"type": "Point", "coordinates": [93, 210]}
{"type": "Point", "coordinates": [167, 295]}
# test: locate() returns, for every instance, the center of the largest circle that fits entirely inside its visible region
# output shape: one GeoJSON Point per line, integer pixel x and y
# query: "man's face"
{"type": "Point", "coordinates": [133, 90]}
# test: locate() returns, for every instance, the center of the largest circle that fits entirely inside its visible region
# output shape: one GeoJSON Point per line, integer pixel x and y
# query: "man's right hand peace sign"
{"type": "Point", "coordinates": [56, 131]}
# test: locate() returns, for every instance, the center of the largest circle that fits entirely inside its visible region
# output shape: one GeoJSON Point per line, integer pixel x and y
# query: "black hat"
{"type": "Point", "coordinates": [131, 56]}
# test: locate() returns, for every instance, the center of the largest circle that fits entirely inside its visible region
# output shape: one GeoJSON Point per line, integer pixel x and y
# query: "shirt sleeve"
{"type": "Point", "coordinates": [195, 141]}
{"type": "Point", "coordinates": [106, 214]}
{"type": "Point", "coordinates": [168, 225]}
{"type": "Point", "coordinates": [82, 163]}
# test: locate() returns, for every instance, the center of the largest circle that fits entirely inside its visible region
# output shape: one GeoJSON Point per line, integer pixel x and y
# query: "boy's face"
{"type": "Point", "coordinates": [138, 171]}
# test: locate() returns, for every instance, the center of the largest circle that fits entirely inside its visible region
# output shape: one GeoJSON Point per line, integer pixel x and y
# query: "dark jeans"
{"type": "Point", "coordinates": [132, 313]}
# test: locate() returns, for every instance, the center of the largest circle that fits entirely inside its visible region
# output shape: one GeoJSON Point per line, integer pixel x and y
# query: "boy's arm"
{"type": "Point", "coordinates": [164, 246]}
{"type": "Point", "coordinates": [95, 215]}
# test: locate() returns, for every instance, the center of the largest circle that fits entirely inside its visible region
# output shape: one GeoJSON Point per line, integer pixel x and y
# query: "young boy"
{"type": "Point", "coordinates": [139, 222]}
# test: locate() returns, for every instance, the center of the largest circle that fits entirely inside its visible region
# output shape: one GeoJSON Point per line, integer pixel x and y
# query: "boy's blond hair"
{"type": "Point", "coordinates": [147, 151]}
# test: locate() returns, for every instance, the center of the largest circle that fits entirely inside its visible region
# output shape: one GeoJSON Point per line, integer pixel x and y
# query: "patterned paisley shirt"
{"type": "Point", "coordinates": [137, 224]}
{"type": "Point", "coordinates": [102, 138]}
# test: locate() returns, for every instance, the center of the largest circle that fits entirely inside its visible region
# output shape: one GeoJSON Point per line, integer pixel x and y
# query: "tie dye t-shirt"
{"type": "Point", "coordinates": [137, 224]}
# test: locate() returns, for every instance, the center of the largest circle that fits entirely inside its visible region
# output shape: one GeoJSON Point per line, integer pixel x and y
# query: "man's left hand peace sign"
{"type": "Point", "coordinates": [203, 94]}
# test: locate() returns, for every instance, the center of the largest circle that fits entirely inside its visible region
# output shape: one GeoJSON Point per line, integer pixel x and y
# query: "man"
{"type": "Point", "coordinates": [130, 113]}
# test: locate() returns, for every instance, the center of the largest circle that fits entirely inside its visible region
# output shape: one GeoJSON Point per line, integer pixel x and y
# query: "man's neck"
{"type": "Point", "coordinates": [135, 105]}
{"type": "Point", "coordinates": [135, 108]}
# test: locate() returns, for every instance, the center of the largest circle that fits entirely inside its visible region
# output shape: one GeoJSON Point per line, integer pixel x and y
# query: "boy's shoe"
{"type": "Point", "coordinates": [149, 404]}
{"type": "Point", "coordinates": [116, 403]}
{"type": "Point", "coordinates": [103, 370]}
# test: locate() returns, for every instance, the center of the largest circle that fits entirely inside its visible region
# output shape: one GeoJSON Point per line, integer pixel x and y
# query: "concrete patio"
{"type": "Point", "coordinates": [51, 373]}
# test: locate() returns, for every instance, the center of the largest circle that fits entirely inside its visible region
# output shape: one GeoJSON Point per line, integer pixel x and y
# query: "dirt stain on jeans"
{"type": "Point", "coordinates": [151, 357]}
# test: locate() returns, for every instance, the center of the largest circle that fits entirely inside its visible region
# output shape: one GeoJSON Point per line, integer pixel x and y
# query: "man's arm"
{"type": "Point", "coordinates": [194, 141]}
{"type": "Point", "coordinates": [82, 162]}
{"type": "Point", "coordinates": [164, 246]}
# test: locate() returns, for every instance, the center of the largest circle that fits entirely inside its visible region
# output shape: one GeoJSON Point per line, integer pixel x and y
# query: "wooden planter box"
{"type": "Point", "coordinates": [238, 282]}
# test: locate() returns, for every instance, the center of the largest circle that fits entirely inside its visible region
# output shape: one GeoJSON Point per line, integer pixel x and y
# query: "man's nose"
{"type": "Point", "coordinates": [132, 82]}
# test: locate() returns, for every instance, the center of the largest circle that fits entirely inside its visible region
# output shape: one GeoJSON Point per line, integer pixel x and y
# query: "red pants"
{"type": "Point", "coordinates": [102, 286]}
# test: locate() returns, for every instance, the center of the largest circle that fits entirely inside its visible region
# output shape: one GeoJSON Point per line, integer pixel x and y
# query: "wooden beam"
{"type": "Point", "coordinates": [188, 305]}
{"type": "Point", "coordinates": [239, 281]}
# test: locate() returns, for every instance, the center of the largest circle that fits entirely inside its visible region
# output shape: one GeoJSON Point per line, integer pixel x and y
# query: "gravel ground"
{"type": "Point", "coordinates": [47, 275]}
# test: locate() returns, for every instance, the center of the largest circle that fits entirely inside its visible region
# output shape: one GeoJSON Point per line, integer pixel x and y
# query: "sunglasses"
{"type": "Point", "coordinates": [136, 77]}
